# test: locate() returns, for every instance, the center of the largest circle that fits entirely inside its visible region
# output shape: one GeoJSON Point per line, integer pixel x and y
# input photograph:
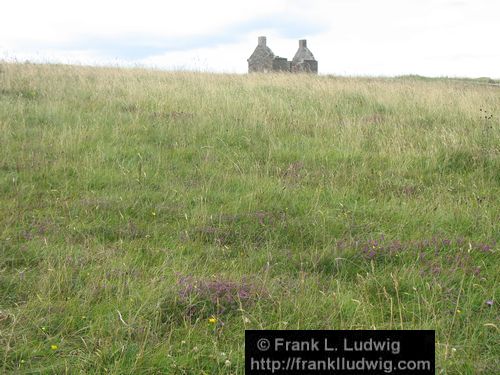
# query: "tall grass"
{"type": "Point", "coordinates": [147, 218]}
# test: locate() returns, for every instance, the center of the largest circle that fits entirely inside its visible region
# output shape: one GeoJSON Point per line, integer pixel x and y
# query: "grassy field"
{"type": "Point", "coordinates": [147, 218]}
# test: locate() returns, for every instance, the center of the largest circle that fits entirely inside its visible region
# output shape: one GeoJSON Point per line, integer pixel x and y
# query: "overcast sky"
{"type": "Point", "coordinates": [347, 37]}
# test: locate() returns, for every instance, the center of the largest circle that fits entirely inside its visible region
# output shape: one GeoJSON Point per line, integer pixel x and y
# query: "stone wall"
{"type": "Point", "coordinates": [281, 64]}
{"type": "Point", "coordinates": [305, 66]}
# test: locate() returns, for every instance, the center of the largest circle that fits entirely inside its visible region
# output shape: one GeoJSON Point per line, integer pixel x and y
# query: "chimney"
{"type": "Point", "coordinates": [302, 43]}
{"type": "Point", "coordinates": [262, 41]}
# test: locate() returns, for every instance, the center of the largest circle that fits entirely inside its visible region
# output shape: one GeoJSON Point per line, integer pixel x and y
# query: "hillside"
{"type": "Point", "coordinates": [147, 218]}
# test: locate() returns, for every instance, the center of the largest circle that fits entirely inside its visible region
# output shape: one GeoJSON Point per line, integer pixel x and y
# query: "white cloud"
{"type": "Point", "coordinates": [62, 19]}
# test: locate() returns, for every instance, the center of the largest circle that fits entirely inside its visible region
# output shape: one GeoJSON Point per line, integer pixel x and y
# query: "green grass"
{"type": "Point", "coordinates": [135, 205]}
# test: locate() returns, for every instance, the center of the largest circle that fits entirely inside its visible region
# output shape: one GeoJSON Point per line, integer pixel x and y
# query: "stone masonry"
{"type": "Point", "coordinates": [263, 60]}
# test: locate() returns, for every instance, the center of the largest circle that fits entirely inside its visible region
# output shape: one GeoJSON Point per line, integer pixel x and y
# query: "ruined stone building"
{"type": "Point", "coordinates": [263, 60]}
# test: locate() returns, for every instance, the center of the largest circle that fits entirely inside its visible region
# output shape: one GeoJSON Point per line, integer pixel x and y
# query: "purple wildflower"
{"type": "Point", "coordinates": [485, 248]}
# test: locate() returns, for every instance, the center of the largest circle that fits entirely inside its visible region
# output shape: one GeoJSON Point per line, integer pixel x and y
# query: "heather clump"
{"type": "Point", "coordinates": [216, 296]}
